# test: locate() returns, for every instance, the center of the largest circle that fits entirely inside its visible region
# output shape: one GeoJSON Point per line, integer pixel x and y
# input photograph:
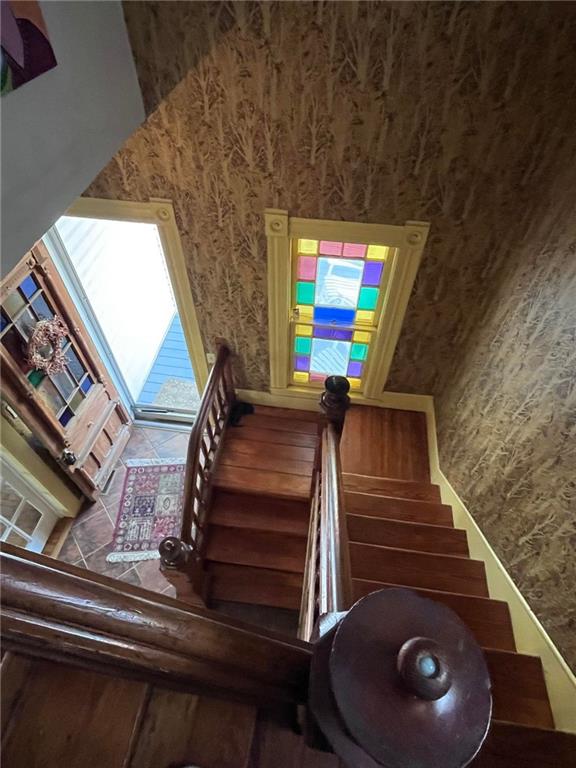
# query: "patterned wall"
{"type": "Point", "coordinates": [460, 114]}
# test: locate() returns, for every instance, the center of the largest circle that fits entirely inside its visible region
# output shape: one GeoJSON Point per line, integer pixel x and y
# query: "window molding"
{"type": "Point", "coordinates": [281, 229]}
{"type": "Point", "coordinates": [158, 211]}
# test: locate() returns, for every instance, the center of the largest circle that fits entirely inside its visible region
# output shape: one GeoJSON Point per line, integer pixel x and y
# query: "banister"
{"type": "Point", "coordinates": [58, 611]}
{"type": "Point", "coordinates": [194, 464]}
{"type": "Point", "coordinates": [181, 558]}
{"type": "Point", "coordinates": [335, 572]}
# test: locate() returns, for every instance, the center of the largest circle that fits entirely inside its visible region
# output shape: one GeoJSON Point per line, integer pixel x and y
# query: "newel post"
{"type": "Point", "coordinates": [177, 562]}
{"type": "Point", "coordinates": [335, 400]}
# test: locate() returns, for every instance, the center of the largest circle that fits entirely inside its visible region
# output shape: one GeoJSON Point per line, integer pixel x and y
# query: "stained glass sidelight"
{"type": "Point", "coordinates": [337, 302]}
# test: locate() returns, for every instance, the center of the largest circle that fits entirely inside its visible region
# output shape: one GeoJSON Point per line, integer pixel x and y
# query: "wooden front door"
{"type": "Point", "coordinates": [76, 414]}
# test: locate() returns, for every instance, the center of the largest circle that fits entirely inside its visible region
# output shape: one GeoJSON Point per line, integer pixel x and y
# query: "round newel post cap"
{"type": "Point", "coordinates": [337, 385]}
{"type": "Point", "coordinates": [401, 681]}
{"type": "Point", "coordinates": [174, 552]}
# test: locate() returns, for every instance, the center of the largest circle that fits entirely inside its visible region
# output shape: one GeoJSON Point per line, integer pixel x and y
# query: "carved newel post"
{"type": "Point", "coordinates": [177, 562]}
{"type": "Point", "coordinates": [335, 400]}
{"type": "Point", "coordinates": [400, 681]}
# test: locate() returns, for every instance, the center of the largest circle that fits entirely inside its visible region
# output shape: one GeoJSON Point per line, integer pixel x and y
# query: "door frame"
{"type": "Point", "coordinates": [160, 212]}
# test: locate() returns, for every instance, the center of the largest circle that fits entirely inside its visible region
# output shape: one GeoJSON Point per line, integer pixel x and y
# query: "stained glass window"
{"type": "Point", "coordinates": [337, 298]}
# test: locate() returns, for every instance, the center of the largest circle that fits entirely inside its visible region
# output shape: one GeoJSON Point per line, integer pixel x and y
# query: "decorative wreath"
{"type": "Point", "coordinates": [44, 351]}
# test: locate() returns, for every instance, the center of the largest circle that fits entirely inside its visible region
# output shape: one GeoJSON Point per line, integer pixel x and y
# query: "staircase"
{"type": "Point", "coordinates": [400, 534]}
{"type": "Point", "coordinates": [258, 523]}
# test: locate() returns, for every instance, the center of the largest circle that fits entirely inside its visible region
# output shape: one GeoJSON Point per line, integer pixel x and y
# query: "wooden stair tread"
{"type": "Point", "coordinates": [387, 486]}
{"type": "Point", "coordinates": [315, 417]}
{"type": "Point", "coordinates": [418, 569]}
{"type": "Point", "coordinates": [244, 511]}
{"type": "Point", "coordinates": [263, 460]}
{"type": "Point", "coordinates": [422, 537]}
{"type": "Point", "coordinates": [77, 718]}
{"type": "Point", "coordinates": [294, 424]}
{"type": "Point", "coordinates": [237, 443]}
{"type": "Point", "coordinates": [187, 729]}
{"type": "Point", "coordinates": [260, 549]}
{"type": "Point", "coordinates": [509, 745]}
{"type": "Point", "coordinates": [408, 510]}
{"type": "Point", "coordinates": [256, 586]}
{"type": "Point", "coordinates": [263, 482]}
{"type": "Point", "coordinates": [276, 436]}
{"type": "Point", "coordinates": [488, 619]}
{"type": "Point", "coordinates": [519, 689]}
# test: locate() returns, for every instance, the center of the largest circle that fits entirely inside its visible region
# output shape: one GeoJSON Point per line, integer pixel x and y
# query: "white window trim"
{"type": "Point", "coordinates": [281, 229]}
{"type": "Point", "coordinates": [160, 212]}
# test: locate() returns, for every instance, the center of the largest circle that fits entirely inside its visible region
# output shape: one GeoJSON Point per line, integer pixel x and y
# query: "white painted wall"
{"type": "Point", "coordinates": [60, 130]}
{"type": "Point", "coordinates": [122, 270]}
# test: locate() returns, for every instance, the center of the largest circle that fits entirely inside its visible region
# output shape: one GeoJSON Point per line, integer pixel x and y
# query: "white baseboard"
{"type": "Point", "coordinates": [531, 637]}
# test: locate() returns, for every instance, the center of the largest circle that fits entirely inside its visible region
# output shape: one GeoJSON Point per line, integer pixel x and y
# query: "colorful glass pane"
{"type": "Point", "coordinates": [42, 308]}
{"type": "Point", "coordinates": [359, 351]}
{"type": "Point", "coordinates": [29, 286]}
{"type": "Point", "coordinates": [363, 336]}
{"type": "Point", "coordinates": [354, 251]}
{"type": "Point", "coordinates": [329, 357]}
{"type": "Point", "coordinates": [302, 345]}
{"type": "Point", "coordinates": [305, 293]}
{"type": "Point", "coordinates": [364, 318]}
{"type": "Point", "coordinates": [379, 252]}
{"type": "Point", "coordinates": [26, 323]}
{"type": "Point", "coordinates": [319, 377]}
{"type": "Point", "coordinates": [64, 383]}
{"type": "Point", "coordinates": [299, 377]}
{"type": "Point", "coordinates": [333, 316]}
{"type": "Point", "coordinates": [338, 283]}
{"type": "Point", "coordinates": [304, 330]}
{"type": "Point", "coordinates": [304, 312]}
{"type": "Point", "coordinates": [35, 377]}
{"type": "Point", "coordinates": [332, 333]}
{"type": "Point", "coordinates": [14, 303]}
{"type": "Point", "coordinates": [77, 400]}
{"type": "Point", "coordinates": [66, 416]}
{"type": "Point", "coordinates": [50, 395]}
{"type": "Point", "coordinates": [308, 246]}
{"type": "Point", "coordinates": [307, 267]}
{"type": "Point", "coordinates": [372, 272]}
{"type": "Point", "coordinates": [355, 369]}
{"type": "Point", "coordinates": [74, 365]}
{"type": "Point", "coordinates": [355, 383]}
{"type": "Point", "coordinates": [302, 363]}
{"type": "Point", "coordinates": [86, 384]}
{"type": "Point", "coordinates": [330, 248]}
{"type": "Point", "coordinates": [368, 298]}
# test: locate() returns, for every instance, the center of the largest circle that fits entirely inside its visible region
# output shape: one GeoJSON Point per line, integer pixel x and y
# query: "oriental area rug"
{"type": "Point", "coordinates": [150, 508]}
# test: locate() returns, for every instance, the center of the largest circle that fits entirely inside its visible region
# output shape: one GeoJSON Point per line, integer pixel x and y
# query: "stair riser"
{"type": "Point", "coordinates": [420, 538]}
{"type": "Point", "coordinates": [398, 509]}
{"type": "Point", "coordinates": [448, 574]}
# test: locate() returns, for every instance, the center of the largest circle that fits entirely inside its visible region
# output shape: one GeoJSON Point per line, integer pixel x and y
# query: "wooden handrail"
{"type": "Point", "coordinates": [309, 602]}
{"type": "Point", "coordinates": [58, 611]}
{"type": "Point", "coordinates": [215, 405]}
{"type": "Point", "coordinates": [327, 584]}
{"type": "Point", "coordinates": [335, 593]}
{"type": "Point", "coordinates": [181, 558]}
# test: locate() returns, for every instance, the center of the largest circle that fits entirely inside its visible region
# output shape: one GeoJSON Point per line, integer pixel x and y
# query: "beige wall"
{"type": "Point", "coordinates": [459, 114]}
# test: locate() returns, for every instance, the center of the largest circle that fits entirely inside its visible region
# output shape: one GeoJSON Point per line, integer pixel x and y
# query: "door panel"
{"type": "Point", "coordinates": [77, 410]}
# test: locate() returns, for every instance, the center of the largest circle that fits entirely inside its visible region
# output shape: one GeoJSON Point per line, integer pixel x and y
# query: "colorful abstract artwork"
{"type": "Point", "coordinates": [337, 290]}
{"type": "Point", "coordinates": [25, 47]}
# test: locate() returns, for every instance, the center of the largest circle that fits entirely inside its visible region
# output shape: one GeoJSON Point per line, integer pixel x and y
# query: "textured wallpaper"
{"type": "Point", "coordinates": [461, 114]}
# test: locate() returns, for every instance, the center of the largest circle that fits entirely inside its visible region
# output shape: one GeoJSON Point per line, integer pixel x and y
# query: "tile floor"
{"type": "Point", "coordinates": [90, 538]}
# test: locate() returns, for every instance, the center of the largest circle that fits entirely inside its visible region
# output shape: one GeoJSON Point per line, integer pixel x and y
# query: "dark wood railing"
{"type": "Point", "coordinates": [327, 588]}
{"type": "Point", "coordinates": [181, 557]}
{"type": "Point", "coordinates": [58, 611]}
